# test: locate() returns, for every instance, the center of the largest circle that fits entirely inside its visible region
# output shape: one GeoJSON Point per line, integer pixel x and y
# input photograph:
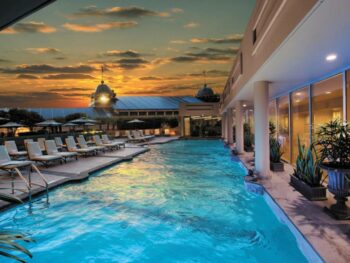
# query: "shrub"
{"type": "Point", "coordinates": [307, 166]}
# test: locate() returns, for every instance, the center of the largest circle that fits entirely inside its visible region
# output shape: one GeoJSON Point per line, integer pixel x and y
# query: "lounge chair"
{"type": "Point", "coordinates": [83, 144]}
{"type": "Point", "coordinates": [26, 141]}
{"type": "Point", "coordinates": [12, 150]}
{"type": "Point", "coordinates": [72, 147]}
{"type": "Point", "coordinates": [149, 137]}
{"type": "Point", "coordinates": [35, 154]}
{"type": "Point", "coordinates": [41, 142]}
{"type": "Point", "coordinates": [13, 167]}
{"type": "Point", "coordinates": [99, 142]}
{"type": "Point", "coordinates": [133, 139]}
{"type": "Point", "coordinates": [51, 149]}
{"type": "Point", "coordinates": [137, 135]}
{"type": "Point", "coordinates": [59, 143]}
{"type": "Point", "coordinates": [105, 139]}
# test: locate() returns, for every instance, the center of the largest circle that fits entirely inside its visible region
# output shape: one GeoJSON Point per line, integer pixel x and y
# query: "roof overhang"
{"type": "Point", "coordinates": [12, 11]}
{"type": "Point", "coordinates": [301, 58]}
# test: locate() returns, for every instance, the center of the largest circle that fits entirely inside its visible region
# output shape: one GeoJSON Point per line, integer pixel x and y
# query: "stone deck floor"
{"type": "Point", "coordinates": [329, 237]}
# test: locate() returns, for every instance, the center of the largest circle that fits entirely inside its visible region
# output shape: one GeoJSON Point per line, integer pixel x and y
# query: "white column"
{"type": "Point", "coordinates": [223, 123]}
{"type": "Point", "coordinates": [229, 126]}
{"type": "Point", "coordinates": [239, 127]}
{"type": "Point", "coordinates": [261, 128]}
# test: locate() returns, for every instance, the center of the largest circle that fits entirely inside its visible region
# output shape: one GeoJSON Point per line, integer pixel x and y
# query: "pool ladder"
{"type": "Point", "coordinates": [28, 184]}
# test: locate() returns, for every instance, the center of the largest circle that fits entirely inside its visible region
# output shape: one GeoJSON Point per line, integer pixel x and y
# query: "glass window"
{"type": "Point", "coordinates": [273, 114]}
{"type": "Point", "coordinates": [283, 125]}
{"type": "Point", "coordinates": [327, 101]}
{"type": "Point", "coordinates": [300, 120]}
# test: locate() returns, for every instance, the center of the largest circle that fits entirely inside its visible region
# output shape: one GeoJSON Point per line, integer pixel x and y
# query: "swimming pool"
{"type": "Point", "coordinates": [180, 202]}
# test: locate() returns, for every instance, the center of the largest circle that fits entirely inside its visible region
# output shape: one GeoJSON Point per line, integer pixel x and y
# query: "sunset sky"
{"type": "Point", "coordinates": [148, 47]}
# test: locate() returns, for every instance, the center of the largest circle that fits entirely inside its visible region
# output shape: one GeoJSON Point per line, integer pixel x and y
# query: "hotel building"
{"type": "Point", "coordinates": [292, 69]}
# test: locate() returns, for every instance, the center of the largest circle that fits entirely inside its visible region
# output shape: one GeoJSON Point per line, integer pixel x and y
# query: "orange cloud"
{"type": "Point", "coordinates": [99, 27]}
{"type": "Point", "coordinates": [29, 27]}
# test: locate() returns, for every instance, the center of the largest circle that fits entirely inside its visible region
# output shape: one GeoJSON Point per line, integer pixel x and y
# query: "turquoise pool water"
{"type": "Point", "coordinates": [180, 202]}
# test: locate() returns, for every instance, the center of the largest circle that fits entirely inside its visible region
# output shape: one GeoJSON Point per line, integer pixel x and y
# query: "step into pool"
{"type": "Point", "coordinates": [180, 202]}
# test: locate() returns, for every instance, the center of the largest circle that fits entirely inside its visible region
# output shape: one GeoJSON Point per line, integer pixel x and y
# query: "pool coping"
{"type": "Point", "coordinates": [305, 246]}
{"type": "Point", "coordinates": [69, 179]}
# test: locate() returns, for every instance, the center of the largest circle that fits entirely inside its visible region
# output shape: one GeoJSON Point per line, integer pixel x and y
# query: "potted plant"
{"type": "Point", "coordinates": [307, 176]}
{"type": "Point", "coordinates": [248, 138]}
{"type": "Point", "coordinates": [334, 140]}
{"type": "Point", "coordinates": [276, 153]}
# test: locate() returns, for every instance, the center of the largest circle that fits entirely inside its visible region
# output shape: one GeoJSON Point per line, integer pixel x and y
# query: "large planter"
{"type": "Point", "coordinates": [339, 185]}
{"type": "Point", "coordinates": [317, 193]}
{"type": "Point", "coordinates": [277, 167]}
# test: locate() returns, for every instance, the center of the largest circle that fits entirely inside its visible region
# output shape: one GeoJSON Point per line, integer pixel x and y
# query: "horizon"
{"type": "Point", "coordinates": [147, 48]}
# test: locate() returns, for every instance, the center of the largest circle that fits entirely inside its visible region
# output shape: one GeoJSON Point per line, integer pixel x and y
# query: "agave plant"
{"type": "Point", "coordinates": [275, 151]}
{"type": "Point", "coordinates": [9, 240]}
{"type": "Point", "coordinates": [307, 166]}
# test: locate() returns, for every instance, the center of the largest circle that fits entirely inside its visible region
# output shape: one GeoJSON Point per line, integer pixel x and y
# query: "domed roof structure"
{"type": "Point", "coordinates": [205, 91]}
{"type": "Point", "coordinates": [103, 88]}
{"type": "Point", "coordinates": [103, 97]}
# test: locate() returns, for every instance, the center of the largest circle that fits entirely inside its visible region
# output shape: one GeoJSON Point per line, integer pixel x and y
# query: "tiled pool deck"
{"type": "Point", "coordinates": [77, 170]}
{"type": "Point", "coordinates": [329, 237]}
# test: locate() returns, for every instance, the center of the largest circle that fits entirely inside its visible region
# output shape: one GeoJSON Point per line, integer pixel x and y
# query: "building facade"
{"type": "Point", "coordinates": [292, 70]}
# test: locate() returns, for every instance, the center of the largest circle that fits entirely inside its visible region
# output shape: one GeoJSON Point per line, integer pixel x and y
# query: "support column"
{"type": "Point", "coordinates": [229, 126]}
{"type": "Point", "coordinates": [261, 128]}
{"type": "Point", "coordinates": [223, 127]}
{"type": "Point", "coordinates": [239, 128]}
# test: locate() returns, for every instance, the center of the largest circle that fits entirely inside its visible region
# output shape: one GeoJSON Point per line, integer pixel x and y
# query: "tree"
{"type": "Point", "coordinates": [28, 118]}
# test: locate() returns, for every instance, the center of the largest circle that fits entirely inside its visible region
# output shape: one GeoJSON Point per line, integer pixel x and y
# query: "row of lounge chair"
{"type": "Point", "coordinates": [55, 151]}
{"type": "Point", "coordinates": [138, 136]}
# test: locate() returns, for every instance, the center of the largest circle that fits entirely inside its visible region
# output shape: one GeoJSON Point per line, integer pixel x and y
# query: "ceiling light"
{"type": "Point", "coordinates": [297, 101]}
{"type": "Point", "coordinates": [244, 105]}
{"type": "Point", "coordinates": [331, 57]}
{"type": "Point", "coordinates": [328, 92]}
{"type": "Point", "coordinates": [298, 93]}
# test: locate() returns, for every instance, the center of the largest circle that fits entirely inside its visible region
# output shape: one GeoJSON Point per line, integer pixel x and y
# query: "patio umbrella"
{"type": "Point", "coordinates": [83, 121]}
{"type": "Point", "coordinates": [69, 124]}
{"type": "Point", "coordinates": [135, 122]}
{"type": "Point", "coordinates": [11, 125]}
{"type": "Point", "coordinates": [49, 123]}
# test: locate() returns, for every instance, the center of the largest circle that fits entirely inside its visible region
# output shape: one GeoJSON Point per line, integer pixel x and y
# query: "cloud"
{"type": "Point", "coordinates": [119, 53]}
{"type": "Point", "coordinates": [44, 50]}
{"type": "Point", "coordinates": [68, 76]}
{"type": "Point", "coordinates": [208, 54]}
{"type": "Point", "coordinates": [176, 10]}
{"type": "Point", "coordinates": [225, 40]}
{"type": "Point", "coordinates": [210, 73]}
{"type": "Point", "coordinates": [191, 25]}
{"type": "Point", "coordinates": [74, 89]}
{"type": "Point", "coordinates": [4, 60]}
{"type": "Point", "coordinates": [123, 12]}
{"type": "Point", "coordinates": [99, 27]}
{"type": "Point", "coordinates": [30, 27]}
{"type": "Point", "coordinates": [46, 69]}
{"type": "Point", "coordinates": [26, 76]}
{"type": "Point", "coordinates": [150, 78]}
{"type": "Point", "coordinates": [131, 63]}
{"type": "Point", "coordinates": [60, 58]}
{"type": "Point", "coordinates": [178, 42]}
{"type": "Point", "coordinates": [25, 99]}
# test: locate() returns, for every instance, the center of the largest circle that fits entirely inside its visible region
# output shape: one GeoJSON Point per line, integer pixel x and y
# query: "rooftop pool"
{"type": "Point", "coordinates": [180, 202]}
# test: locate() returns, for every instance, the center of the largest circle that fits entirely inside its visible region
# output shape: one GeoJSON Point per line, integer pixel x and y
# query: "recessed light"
{"type": "Point", "coordinates": [298, 93]}
{"type": "Point", "coordinates": [328, 92]}
{"type": "Point", "coordinates": [331, 57]}
{"type": "Point", "coordinates": [244, 105]}
{"type": "Point", "coordinates": [297, 101]}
